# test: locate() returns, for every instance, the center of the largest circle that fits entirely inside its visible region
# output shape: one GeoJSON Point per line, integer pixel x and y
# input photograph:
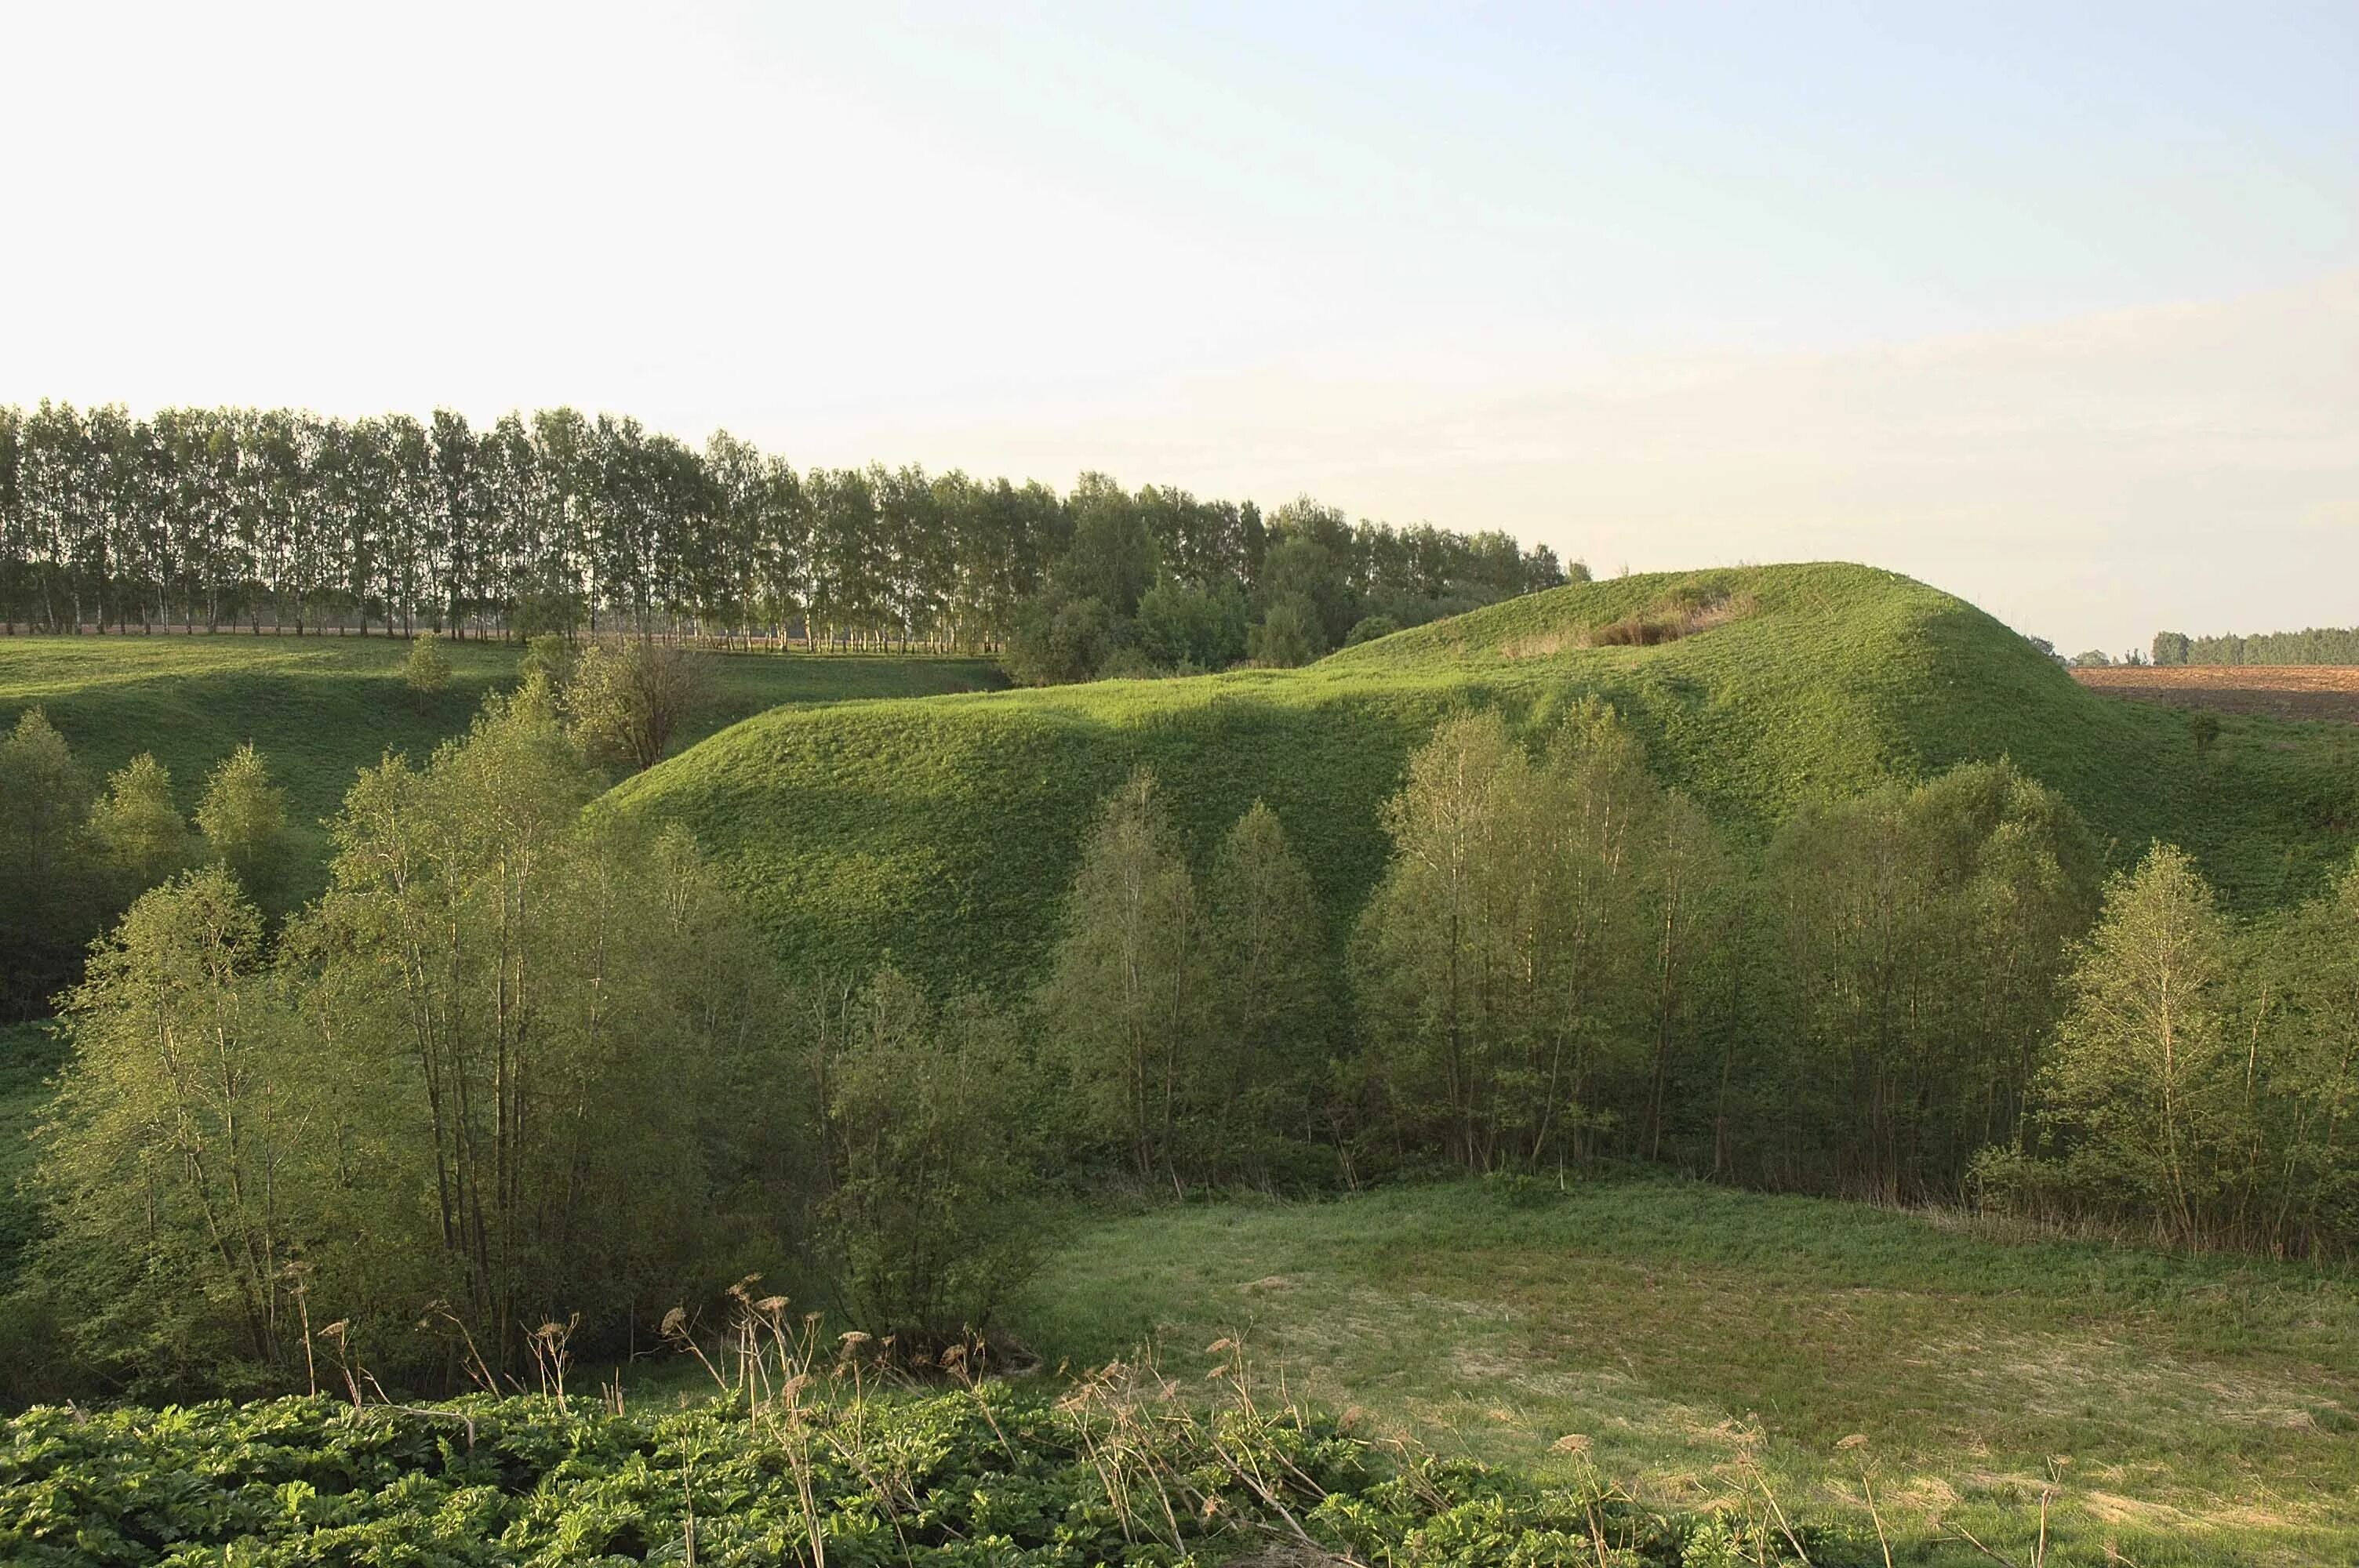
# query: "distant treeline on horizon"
{"type": "Point", "coordinates": [2314, 645]}
{"type": "Point", "coordinates": [239, 518]}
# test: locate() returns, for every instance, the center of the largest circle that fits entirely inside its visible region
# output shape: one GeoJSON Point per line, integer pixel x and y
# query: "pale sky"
{"type": "Point", "coordinates": [2053, 306]}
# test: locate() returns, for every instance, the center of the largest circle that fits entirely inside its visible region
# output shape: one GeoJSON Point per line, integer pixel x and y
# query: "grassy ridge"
{"type": "Point", "coordinates": [320, 708]}
{"type": "Point", "coordinates": [2208, 1405]}
{"type": "Point", "coordinates": [941, 833]}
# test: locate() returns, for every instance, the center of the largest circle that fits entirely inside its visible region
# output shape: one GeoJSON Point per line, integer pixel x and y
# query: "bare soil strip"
{"type": "Point", "coordinates": [2329, 692]}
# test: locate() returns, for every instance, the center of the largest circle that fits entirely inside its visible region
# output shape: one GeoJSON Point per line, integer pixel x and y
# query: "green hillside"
{"type": "Point", "coordinates": [942, 832]}
{"type": "Point", "coordinates": [322, 708]}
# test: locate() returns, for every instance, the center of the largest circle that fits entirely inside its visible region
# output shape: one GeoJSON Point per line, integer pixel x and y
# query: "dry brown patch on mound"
{"type": "Point", "coordinates": [1679, 615]}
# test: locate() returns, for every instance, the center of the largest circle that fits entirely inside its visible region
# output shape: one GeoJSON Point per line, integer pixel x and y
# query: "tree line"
{"type": "Point", "coordinates": [2314, 645]}
{"type": "Point", "coordinates": [525, 1060]}
{"type": "Point", "coordinates": [226, 518]}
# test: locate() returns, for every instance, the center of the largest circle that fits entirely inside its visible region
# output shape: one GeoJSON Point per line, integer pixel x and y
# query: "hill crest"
{"type": "Point", "coordinates": [940, 832]}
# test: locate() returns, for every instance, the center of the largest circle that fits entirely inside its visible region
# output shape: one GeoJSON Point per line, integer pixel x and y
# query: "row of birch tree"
{"type": "Point", "coordinates": [219, 519]}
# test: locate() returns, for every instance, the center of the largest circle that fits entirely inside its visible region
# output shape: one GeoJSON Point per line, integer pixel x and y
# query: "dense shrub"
{"type": "Point", "coordinates": [1110, 1474]}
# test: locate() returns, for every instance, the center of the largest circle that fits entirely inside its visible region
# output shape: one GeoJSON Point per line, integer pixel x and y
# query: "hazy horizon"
{"type": "Point", "coordinates": [2060, 313]}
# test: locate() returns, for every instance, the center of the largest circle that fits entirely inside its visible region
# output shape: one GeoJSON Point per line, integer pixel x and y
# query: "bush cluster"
{"type": "Point", "coordinates": [997, 1476]}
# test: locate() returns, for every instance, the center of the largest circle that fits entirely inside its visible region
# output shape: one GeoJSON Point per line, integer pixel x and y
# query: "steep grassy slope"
{"type": "Point", "coordinates": [2205, 1406]}
{"type": "Point", "coordinates": [941, 833]}
{"type": "Point", "coordinates": [322, 708]}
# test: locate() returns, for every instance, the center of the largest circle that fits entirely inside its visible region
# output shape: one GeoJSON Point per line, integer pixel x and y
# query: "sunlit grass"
{"type": "Point", "coordinates": [320, 708]}
{"type": "Point", "coordinates": [2206, 1408]}
{"type": "Point", "coordinates": [941, 833]}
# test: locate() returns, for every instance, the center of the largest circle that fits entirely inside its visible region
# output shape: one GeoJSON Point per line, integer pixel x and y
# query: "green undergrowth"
{"type": "Point", "coordinates": [1667, 1333]}
{"type": "Point", "coordinates": [941, 833]}
{"type": "Point", "coordinates": [990, 1477]}
{"type": "Point", "coordinates": [320, 708]}
{"type": "Point", "coordinates": [30, 1055]}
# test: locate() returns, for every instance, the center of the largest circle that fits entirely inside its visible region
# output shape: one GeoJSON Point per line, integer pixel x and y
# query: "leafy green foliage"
{"type": "Point", "coordinates": [243, 820]}
{"type": "Point", "coordinates": [216, 516]}
{"type": "Point", "coordinates": [1056, 640]}
{"type": "Point", "coordinates": [434, 1098]}
{"type": "Point", "coordinates": [323, 708]}
{"type": "Point", "coordinates": [1498, 960]}
{"type": "Point", "coordinates": [1126, 1000]}
{"type": "Point", "coordinates": [30, 1055]}
{"type": "Point", "coordinates": [1016, 1480]}
{"type": "Point", "coordinates": [140, 837]}
{"type": "Point", "coordinates": [626, 697]}
{"type": "Point", "coordinates": [426, 670]}
{"type": "Point", "coordinates": [1289, 635]}
{"type": "Point", "coordinates": [931, 1216]}
{"type": "Point", "coordinates": [1193, 628]}
{"type": "Point", "coordinates": [175, 1183]}
{"type": "Point", "coordinates": [2203, 1082]}
{"type": "Point", "coordinates": [318, 711]}
{"type": "Point", "coordinates": [46, 898]}
{"type": "Point", "coordinates": [1270, 1006]}
{"type": "Point", "coordinates": [1906, 982]}
{"type": "Point", "coordinates": [1189, 1018]}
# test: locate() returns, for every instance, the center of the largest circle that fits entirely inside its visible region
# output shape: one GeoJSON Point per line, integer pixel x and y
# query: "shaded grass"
{"type": "Point", "coordinates": [2209, 1407]}
{"type": "Point", "coordinates": [31, 1053]}
{"type": "Point", "coordinates": [320, 708]}
{"type": "Point", "coordinates": [941, 833]}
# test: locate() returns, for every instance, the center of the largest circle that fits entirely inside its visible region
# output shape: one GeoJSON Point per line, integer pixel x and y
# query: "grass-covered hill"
{"type": "Point", "coordinates": [320, 708]}
{"type": "Point", "coordinates": [940, 832]}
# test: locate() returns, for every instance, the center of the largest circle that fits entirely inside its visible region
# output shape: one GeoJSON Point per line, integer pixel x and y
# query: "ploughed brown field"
{"type": "Point", "coordinates": [2280, 691]}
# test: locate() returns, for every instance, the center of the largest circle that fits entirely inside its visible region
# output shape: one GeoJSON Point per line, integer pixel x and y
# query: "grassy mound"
{"type": "Point", "coordinates": [320, 708]}
{"type": "Point", "coordinates": [941, 833]}
{"type": "Point", "coordinates": [2206, 1406]}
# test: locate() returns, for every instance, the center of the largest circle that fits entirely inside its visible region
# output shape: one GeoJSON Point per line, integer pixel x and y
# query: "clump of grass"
{"type": "Point", "coordinates": [1683, 610]}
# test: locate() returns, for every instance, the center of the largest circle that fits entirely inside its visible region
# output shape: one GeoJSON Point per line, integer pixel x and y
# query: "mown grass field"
{"type": "Point", "coordinates": [320, 708]}
{"type": "Point", "coordinates": [941, 833]}
{"type": "Point", "coordinates": [2190, 1410]}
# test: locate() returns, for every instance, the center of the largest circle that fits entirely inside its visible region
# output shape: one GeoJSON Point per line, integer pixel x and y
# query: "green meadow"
{"type": "Point", "coordinates": [2176, 1409]}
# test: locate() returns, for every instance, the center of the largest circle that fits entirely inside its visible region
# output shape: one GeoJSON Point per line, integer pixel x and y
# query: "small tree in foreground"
{"type": "Point", "coordinates": [243, 820]}
{"type": "Point", "coordinates": [44, 897]}
{"type": "Point", "coordinates": [2142, 1096]}
{"type": "Point", "coordinates": [171, 1167]}
{"type": "Point", "coordinates": [930, 1222]}
{"type": "Point", "coordinates": [1123, 999]}
{"type": "Point", "coordinates": [427, 671]}
{"type": "Point", "coordinates": [138, 831]}
{"type": "Point", "coordinates": [1266, 957]}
